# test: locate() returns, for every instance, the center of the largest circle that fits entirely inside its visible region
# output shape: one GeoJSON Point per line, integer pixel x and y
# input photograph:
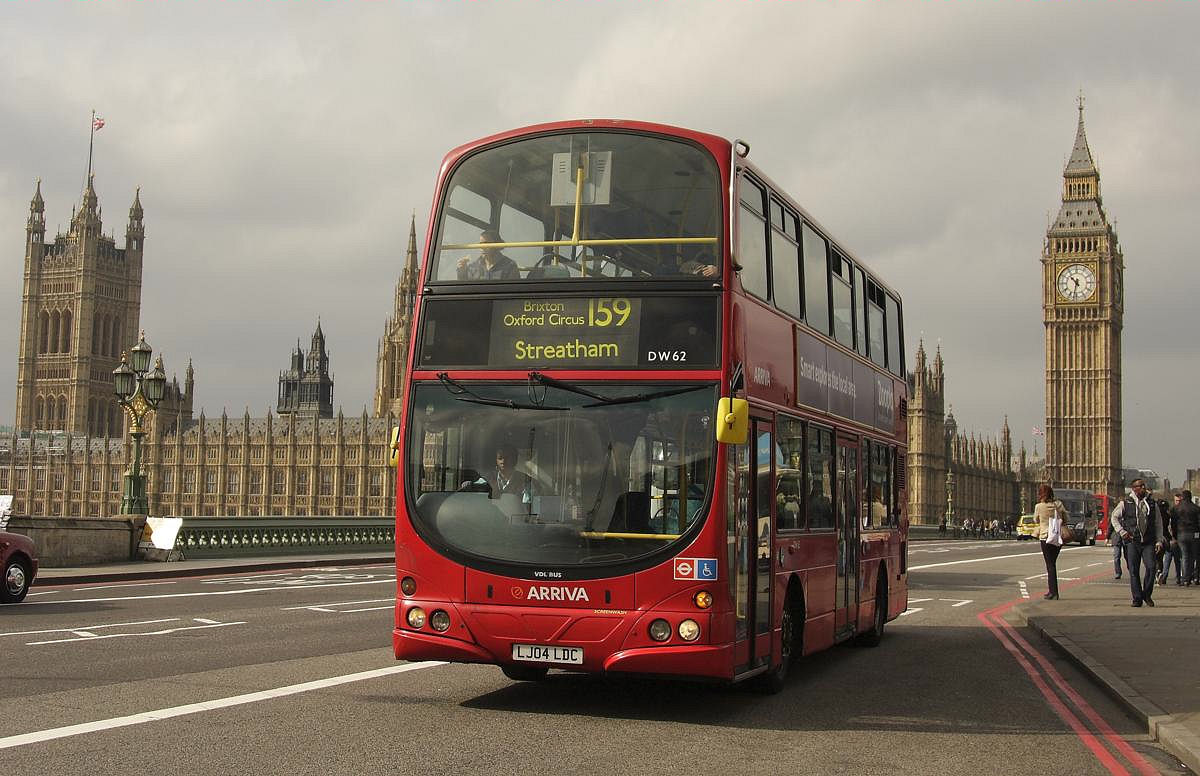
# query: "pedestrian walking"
{"type": "Point", "coordinates": [1187, 526]}
{"type": "Point", "coordinates": [1118, 549]}
{"type": "Point", "coordinates": [1171, 551]}
{"type": "Point", "coordinates": [1050, 514]}
{"type": "Point", "coordinates": [1136, 519]}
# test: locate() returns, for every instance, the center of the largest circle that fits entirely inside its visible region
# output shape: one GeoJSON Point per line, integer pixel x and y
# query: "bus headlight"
{"type": "Point", "coordinates": [689, 630]}
{"type": "Point", "coordinates": [703, 599]}
{"type": "Point", "coordinates": [416, 617]}
{"type": "Point", "coordinates": [408, 586]}
{"type": "Point", "coordinates": [439, 621]}
{"type": "Point", "coordinates": [660, 630]}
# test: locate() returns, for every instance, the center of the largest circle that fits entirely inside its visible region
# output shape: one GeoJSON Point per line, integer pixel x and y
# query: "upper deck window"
{"type": "Point", "coordinates": [752, 241]}
{"type": "Point", "coordinates": [816, 280]}
{"type": "Point", "coordinates": [581, 205]}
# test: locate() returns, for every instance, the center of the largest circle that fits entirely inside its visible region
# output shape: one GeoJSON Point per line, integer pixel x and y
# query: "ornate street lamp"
{"type": "Point", "coordinates": [950, 499]}
{"type": "Point", "coordinates": [139, 393]}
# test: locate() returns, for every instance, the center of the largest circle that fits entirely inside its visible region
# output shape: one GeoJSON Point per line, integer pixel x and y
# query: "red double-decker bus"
{"type": "Point", "coordinates": [655, 416]}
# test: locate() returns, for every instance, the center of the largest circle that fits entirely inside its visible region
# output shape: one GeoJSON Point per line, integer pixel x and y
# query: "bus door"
{"type": "Point", "coordinates": [753, 543]}
{"type": "Point", "coordinates": [847, 520]}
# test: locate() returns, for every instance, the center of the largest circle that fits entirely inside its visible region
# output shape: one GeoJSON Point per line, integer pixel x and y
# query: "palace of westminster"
{"type": "Point", "coordinates": [81, 308]}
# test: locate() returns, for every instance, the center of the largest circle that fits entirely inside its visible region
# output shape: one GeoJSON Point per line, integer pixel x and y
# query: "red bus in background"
{"type": "Point", "coordinates": [655, 416]}
{"type": "Point", "coordinates": [1104, 508]}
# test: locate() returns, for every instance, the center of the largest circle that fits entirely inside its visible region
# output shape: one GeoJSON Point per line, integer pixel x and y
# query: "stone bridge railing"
{"type": "Point", "coordinates": [227, 537]}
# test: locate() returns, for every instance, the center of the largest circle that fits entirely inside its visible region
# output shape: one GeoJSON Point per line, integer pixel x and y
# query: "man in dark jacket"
{"type": "Point", "coordinates": [1187, 529]}
{"type": "Point", "coordinates": [1170, 551]}
{"type": "Point", "coordinates": [1137, 520]}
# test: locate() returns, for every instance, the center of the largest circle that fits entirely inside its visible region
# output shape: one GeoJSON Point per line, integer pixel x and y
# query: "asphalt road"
{"type": "Point", "coordinates": [292, 673]}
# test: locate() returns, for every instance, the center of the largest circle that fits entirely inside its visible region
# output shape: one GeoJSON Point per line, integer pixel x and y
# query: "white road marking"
{"type": "Point", "coordinates": [87, 627]}
{"type": "Point", "coordinates": [918, 600]}
{"type": "Point", "coordinates": [194, 708]}
{"type": "Point", "coordinates": [1035, 576]}
{"type": "Point", "coordinates": [84, 636]}
{"type": "Point", "coordinates": [907, 612]}
{"type": "Point", "coordinates": [325, 607]}
{"type": "Point", "coordinates": [981, 560]}
{"type": "Point", "coordinates": [1073, 568]}
{"type": "Point", "coordinates": [1024, 589]}
{"type": "Point", "coordinates": [388, 580]}
{"type": "Point", "coordinates": [124, 584]}
{"type": "Point", "coordinates": [961, 602]}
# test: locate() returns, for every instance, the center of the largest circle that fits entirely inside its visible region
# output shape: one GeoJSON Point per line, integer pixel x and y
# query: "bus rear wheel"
{"type": "Point", "coordinates": [525, 673]}
{"type": "Point", "coordinates": [872, 637]}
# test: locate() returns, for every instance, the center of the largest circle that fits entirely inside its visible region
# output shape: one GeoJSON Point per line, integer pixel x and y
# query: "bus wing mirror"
{"type": "Point", "coordinates": [394, 448]}
{"type": "Point", "coordinates": [733, 421]}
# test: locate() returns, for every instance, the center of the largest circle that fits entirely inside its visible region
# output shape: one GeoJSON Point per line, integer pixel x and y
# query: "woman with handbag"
{"type": "Point", "coordinates": [1052, 532]}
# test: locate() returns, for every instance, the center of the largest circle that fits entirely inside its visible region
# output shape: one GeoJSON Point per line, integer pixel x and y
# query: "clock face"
{"type": "Point", "coordinates": [1077, 283]}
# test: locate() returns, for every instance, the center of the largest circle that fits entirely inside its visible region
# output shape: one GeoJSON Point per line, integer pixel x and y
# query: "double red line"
{"type": "Point", "coordinates": [1062, 698]}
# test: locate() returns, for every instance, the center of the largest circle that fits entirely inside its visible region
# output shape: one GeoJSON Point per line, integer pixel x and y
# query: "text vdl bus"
{"type": "Point", "coordinates": [655, 416]}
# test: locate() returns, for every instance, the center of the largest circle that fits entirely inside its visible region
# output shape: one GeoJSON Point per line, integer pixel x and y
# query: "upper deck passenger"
{"type": "Point", "coordinates": [490, 264]}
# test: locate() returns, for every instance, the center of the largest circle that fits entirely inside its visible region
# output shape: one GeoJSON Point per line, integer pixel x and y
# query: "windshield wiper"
{"type": "Point", "coordinates": [461, 393]}
{"type": "Point", "coordinates": [541, 379]}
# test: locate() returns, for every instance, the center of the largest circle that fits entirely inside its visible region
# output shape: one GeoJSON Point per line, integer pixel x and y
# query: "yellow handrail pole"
{"type": "Point", "coordinates": [578, 204]}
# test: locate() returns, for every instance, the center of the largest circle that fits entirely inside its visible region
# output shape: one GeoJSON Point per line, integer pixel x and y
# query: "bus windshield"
{"type": "Point", "coordinates": [580, 205]}
{"type": "Point", "coordinates": [556, 473]}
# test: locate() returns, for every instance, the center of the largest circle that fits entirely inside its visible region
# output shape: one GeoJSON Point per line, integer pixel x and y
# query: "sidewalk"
{"type": "Point", "coordinates": [133, 570]}
{"type": "Point", "coordinates": [1148, 659]}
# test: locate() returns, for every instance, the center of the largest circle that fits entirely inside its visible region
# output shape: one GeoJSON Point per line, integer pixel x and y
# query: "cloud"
{"type": "Point", "coordinates": [282, 147]}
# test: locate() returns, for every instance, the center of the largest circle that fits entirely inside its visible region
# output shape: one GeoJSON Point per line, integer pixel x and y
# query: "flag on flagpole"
{"type": "Point", "coordinates": [1038, 432]}
{"type": "Point", "coordinates": [98, 123]}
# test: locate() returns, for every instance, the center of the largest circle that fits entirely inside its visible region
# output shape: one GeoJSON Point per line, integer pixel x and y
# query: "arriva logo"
{"type": "Point", "coordinates": [547, 593]}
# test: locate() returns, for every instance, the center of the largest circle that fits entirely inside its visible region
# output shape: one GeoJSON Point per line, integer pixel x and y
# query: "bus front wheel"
{"type": "Point", "coordinates": [791, 643]}
{"type": "Point", "coordinates": [525, 673]}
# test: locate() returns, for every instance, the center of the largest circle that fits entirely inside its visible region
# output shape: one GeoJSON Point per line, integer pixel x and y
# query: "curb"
{"type": "Point", "coordinates": [1175, 736]}
{"type": "Point", "coordinates": [156, 570]}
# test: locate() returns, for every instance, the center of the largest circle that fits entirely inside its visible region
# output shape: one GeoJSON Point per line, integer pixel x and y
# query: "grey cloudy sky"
{"type": "Point", "coordinates": [281, 147]}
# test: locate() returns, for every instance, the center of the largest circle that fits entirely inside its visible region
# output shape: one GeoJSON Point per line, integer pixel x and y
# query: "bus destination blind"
{"type": "Point", "coordinates": [586, 332]}
{"type": "Point", "coordinates": [595, 331]}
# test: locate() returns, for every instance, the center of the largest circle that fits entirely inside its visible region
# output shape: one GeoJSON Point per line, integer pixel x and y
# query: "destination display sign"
{"type": "Point", "coordinates": [570, 332]}
{"type": "Point", "coordinates": [831, 381]}
{"type": "Point", "coordinates": [595, 331]}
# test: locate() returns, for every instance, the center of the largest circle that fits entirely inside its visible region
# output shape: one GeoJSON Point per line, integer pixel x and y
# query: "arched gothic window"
{"type": "Point", "coordinates": [65, 342]}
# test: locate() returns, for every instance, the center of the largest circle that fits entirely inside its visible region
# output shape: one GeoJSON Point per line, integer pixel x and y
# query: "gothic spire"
{"type": "Point", "coordinates": [1081, 162]}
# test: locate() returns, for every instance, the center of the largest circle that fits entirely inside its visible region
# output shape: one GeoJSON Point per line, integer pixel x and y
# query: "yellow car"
{"type": "Point", "coordinates": [1027, 527]}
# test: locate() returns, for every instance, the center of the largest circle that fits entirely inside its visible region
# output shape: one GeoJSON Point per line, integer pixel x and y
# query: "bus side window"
{"type": "Point", "coordinates": [816, 280]}
{"type": "Point", "coordinates": [895, 336]}
{"type": "Point", "coordinates": [819, 477]}
{"type": "Point", "coordinates": [789, 482]}
{"type": "Point", "coordinates": [752, 241]}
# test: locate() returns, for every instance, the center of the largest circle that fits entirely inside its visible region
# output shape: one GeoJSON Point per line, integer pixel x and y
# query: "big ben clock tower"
{"type": "Point", "coordinates": [1083, 309]}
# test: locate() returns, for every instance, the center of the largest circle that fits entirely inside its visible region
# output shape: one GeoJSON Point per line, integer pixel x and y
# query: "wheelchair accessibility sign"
{"type": "Point", "coordinates": [702, 569]}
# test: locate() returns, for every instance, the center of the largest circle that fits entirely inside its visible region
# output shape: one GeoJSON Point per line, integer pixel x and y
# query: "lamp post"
{"type": "Point", "coordinates": [950, 499]}
{"type": "Point", "coordinates": [139, 393]}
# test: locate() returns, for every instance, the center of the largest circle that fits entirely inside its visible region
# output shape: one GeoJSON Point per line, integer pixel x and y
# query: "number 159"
{"type": "Point", "coordinates": [601, 312]}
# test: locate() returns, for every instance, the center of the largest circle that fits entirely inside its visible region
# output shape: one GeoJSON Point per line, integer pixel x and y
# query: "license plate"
{"type": "Point", "coordinates": [545, 653]}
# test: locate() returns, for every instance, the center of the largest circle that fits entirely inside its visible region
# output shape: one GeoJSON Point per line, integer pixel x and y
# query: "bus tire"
{"type": "Point", "coordinates": [791, 639]}
{"type": "Point", "coordinates": [872, 637]}
{"type": "Point", "coordinates": [525, 673]}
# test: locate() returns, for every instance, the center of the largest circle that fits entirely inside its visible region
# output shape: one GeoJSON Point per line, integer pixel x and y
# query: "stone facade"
{"type": "Point", "coordinates": [393, 345]}
{"type": "Point", "coordinates": [1083, 312]}
{"type": "Point", "coordinates": [988, 484]}
{"type": "Point", "coordinates": [230, 468]}
{"type": "Point", "coordinates": [80, 309]}
{"type": "Point", "coordinates": [69, 460]}
{"type": "Point", "coordinates": [306, 389]}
